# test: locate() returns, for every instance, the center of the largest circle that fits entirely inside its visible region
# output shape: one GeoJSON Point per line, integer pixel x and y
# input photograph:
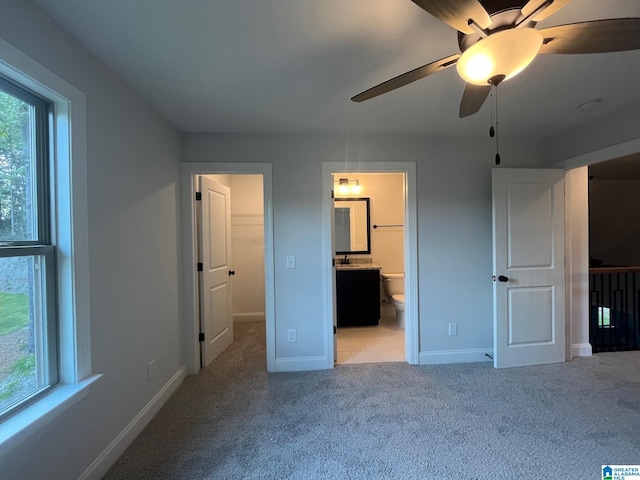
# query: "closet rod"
{"type": "Point", "coordinates": [383, 226]}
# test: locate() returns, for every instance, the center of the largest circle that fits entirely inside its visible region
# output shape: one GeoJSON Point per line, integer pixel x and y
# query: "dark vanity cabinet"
{"type": "Point", "coordinates": [358, 297]}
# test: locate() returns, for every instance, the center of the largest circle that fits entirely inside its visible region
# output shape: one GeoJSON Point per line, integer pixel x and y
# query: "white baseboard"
{"type": "Point", "coordinates": [455, 356]}
{"type": "Point", "coordinates": [108, 457]}
{"type": "Point", "coordinates": [249, 317]}
{"type": "Point", "coordinates": [300, 364]}
{"type": "Point", "coordinates": [581, 350]}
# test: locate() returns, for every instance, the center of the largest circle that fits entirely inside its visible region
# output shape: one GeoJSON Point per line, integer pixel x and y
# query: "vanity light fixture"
{"type": "Point", "coordinates": [348, 187]}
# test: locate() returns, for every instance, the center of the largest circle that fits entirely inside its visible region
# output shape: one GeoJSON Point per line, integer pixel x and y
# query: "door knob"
{"type": "Point", "coordinates": [502, 278]}
{"type": "Point", "coordinates": [232, 272]}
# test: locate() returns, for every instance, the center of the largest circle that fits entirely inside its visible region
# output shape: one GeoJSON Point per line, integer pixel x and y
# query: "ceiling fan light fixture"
{"type": "Point", "coordinates": [502, 53]}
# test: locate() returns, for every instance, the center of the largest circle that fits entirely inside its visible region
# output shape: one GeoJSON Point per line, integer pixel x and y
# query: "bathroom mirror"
{"type": "Point", "coordinates": [352, 226]}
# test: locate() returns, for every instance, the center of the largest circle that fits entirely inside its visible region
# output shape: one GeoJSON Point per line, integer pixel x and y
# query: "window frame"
{"type": "Point", "coordinates": [40, 247]}
{"type": "Point", "coordinates": [68, 159]}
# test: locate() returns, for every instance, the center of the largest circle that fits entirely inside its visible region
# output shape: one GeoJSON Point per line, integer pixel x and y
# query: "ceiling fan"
{"type": "Point", "coordinates": [498, 39]}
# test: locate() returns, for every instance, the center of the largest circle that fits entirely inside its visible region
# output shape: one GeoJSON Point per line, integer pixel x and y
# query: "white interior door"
{"type": "Point", "coordinates": [216, 315]}
{"type": "Point", "coordinates": [528, 262]}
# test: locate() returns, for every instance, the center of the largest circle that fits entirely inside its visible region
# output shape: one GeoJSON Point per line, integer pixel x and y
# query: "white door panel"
{"type": "Point", "coordinates": [528, 252]}
{"type": "Point", "coordinates": [529, 216]}
{"type": "Point", "coordinates": [216, 308]}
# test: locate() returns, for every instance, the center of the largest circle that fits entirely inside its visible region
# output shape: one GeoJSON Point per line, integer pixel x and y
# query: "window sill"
{"type": "Point", "coordinates": [25, 423]}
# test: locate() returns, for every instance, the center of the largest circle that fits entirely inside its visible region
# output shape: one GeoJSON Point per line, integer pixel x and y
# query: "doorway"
{"type": "Point", "coordinates": [239, 293]}
{"type": "Point", "coordinates": [252, 214]}
{"type": "Point", "coordinates": [369, 243]}
{"type": "Point", "coordinates": [614, 273]}
{"type": "Point", "coordinates": [408, 263]}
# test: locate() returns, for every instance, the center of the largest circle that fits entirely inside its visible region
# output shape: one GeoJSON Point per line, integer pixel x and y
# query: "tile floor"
{"type": "Point", "coordinates": [375, 344]}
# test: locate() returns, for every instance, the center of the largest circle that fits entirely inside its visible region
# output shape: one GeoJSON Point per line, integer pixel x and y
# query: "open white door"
{"type": "Point", "coordinates": [528, 267]}
{"type": "Point", "coordinates": [216, 315]}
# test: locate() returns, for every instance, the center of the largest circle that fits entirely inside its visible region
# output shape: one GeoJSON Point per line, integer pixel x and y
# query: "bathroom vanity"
{"type": "Point", "coordinates": [358, 294]}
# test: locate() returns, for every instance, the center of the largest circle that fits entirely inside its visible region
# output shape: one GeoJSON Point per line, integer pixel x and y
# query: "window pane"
{"type": "Point", "coordinates": [23, 367]}
{"type": "Point", "coordinates": [18, 221]}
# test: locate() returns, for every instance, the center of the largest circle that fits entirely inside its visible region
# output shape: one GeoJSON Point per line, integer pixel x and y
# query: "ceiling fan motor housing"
{"type": "Point", "coordinates": [503, 13]}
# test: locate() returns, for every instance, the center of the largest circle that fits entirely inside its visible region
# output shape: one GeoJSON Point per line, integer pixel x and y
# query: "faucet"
{"type": "Point", "coordinates": [345, 260]}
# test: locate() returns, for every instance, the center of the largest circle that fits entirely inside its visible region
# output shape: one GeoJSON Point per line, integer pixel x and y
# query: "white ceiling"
{"type": "Point", "coordinates": [291, 66]}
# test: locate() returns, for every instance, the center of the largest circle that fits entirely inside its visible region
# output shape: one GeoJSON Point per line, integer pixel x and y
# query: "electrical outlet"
{"type": "Point", "coordinates": [291, 261]}
{"type": "Point", "coordinates": [151, 369]}
{"type": "Point", "coordinates": [453, 329]}
{"type": "Point", "coordinates": [292, 335]}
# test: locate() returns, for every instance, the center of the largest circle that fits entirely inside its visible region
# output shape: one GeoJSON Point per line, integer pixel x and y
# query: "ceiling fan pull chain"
{"type": "Point", "coordinates": [492, 130]}
{"type": "Point", "coordinates": [497, 131]}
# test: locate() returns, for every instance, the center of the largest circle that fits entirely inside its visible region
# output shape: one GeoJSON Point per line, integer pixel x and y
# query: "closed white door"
{"type": "Point", "coordinates": [216, 315]}
{"type": "Point", "coordinates": [528, 262]}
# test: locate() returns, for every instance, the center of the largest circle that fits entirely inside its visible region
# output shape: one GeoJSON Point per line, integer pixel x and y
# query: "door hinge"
{"type": "Point", "coordinates": [198, 196]}
{"type": "Point", "coordinates": [335, 330]}
{"type": "Point", "coordinates": [333, 262]}
{"type": "Point", "coordinates": [200, 267]}
{"type": "Point", "coordinates": [201, 337]}
{"type": "Point", "coordinates": [332, 194]}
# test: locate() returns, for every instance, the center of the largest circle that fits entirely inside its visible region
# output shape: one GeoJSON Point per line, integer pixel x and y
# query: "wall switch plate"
{"type": "Point", "coordinates": [292, 335]}
{"type": "Point", "coordinates": [291, 261]}
{"type": "Point", "coordinates": [151, 369]}
{"type": "Point", "coordinates": [453, 329]}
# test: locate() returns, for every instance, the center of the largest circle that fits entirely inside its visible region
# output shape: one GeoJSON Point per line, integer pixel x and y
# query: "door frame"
{"type": "Point", "coordinates": [577, 239]}
{"type": "Point", "coordinates": [412, 342]}
{"type": "Point", "coordinates": [191, 326]}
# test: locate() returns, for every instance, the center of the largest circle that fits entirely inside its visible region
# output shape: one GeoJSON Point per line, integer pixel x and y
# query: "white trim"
{"type": "Point", "coordinates": [576, 260]}
{"type": "Point", "coordinates": [249, 317]}
{"type": "Point", "coordinates": [301, 364]}
{"type": "Point", "coordinates": [188, 219]}
{"type": "Point", "coordinates": [68, 155]}
{"type": "Point", "coordinates": [410, 249]}
{"type": "Point", "coordinates": [70, 170]}
{"type": "Point", "coordinates": [568, 264]}
{"type": "Point", "coordinates": [581, 350]}
{"type": "Point", "coordinates": [118, 445]}
{"type": "Point", "coordinates": [603, 154]}
{"type": "Point", "coordinates": [456, 356]}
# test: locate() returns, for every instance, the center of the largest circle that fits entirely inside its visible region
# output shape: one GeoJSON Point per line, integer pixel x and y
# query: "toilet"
{"type": "Point", "coordinates": [393, 284]}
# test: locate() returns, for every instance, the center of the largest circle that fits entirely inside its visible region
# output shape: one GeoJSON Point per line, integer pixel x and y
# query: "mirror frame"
{"type": "Point", "coordinates": [366, 200]}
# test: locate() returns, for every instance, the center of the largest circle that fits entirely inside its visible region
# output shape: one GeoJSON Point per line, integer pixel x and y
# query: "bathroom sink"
{"type": "Point", "coordinates": [357, 266]}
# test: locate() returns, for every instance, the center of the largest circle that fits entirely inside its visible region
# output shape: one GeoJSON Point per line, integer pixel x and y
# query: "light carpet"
{"type": "Point", "coordinates": [392, 421]}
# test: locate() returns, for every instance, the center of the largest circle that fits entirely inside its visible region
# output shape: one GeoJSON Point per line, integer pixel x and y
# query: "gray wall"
{"type": "Point", "coordinates": [132, 181]}
{"type": "Point", "coordinates": [454, 226]}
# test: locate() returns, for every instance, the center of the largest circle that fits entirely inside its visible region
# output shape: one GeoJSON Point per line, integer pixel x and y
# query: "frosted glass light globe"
{"type": "Point", "coordinates": [502, 53]}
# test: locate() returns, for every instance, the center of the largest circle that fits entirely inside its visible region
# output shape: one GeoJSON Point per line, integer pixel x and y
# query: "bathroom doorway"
{"type": "Point", "coordinates": [369, 242]}
{"type": "Point", "coordinates": [390, 248]}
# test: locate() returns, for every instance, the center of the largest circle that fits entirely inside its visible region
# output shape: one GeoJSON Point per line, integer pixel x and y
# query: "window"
{"type": "Point", "coordinates": [604, 317]}
{"type": "Point", "coordinates": [28, 324]}
{"type": "Point", "coordinates": [68, 232]}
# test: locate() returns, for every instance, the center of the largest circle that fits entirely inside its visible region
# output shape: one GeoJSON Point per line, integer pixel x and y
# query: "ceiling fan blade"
{"type": "Point", "coordinates": [457, 13]}
{"type": "Point", "coordinates": [598, 36]}
{"type": "Point", "coordinates": [407, 78]}
{"type": "Point", "coordinates": [473, 98]}
{"type": "Point", "coordinates": [533, 5]}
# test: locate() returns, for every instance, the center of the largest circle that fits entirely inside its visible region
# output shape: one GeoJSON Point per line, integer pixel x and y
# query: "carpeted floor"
{"type": "Point", "coordinates": [392, 421]}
